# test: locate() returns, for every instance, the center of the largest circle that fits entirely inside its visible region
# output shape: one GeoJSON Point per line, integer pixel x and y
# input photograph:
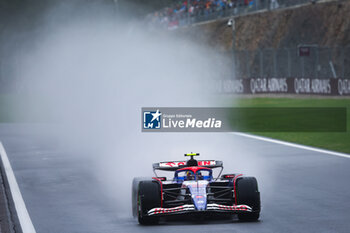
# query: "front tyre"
{"type": "Point", "coordinates": [149, 197]}
{"type": "Point", "coordinates": [247, 193]}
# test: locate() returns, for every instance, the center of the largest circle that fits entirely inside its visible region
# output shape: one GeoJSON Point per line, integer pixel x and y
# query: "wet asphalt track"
{"type": "Point", "coordinates": [304, 191]}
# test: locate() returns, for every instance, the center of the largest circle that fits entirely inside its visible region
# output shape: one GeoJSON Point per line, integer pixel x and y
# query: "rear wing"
{"type": "Point", "coordinates": [174, 165]}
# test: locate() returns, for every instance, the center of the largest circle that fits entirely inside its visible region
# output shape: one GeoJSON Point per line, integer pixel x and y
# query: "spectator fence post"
{"type": "Point", "coordinates": [346, 62]}
{"type": "Point", "coordinates": [342, 62]}
{"type": "Point", "coordinates": [247, 63]}
{"type": "Point", "coordinates": [289, 64]}
{"type": "Point", "coordinates": [317, 62]}
{"type": "Point", "coordinates": [274, 63]}
{"type": "Point", "coordinates": [302, 66]}
{"type": "Point", "coordinates": [261, 63]}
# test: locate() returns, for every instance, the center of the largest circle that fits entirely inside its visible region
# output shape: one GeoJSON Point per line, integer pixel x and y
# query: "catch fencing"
{"type": "Point", "coordinates": [307, 69]}
{"type": "Point", "coordinates": [305, 61]}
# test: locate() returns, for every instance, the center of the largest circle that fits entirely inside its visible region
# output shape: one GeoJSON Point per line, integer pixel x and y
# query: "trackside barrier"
{"type": "Point", "coordinates": [298, 86]}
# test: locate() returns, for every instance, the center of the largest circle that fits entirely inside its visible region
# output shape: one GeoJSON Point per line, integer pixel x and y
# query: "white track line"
{"type": "Point", "coordinates": [344, 155]}
{"type": "Point", "coordinates": [22, 212]}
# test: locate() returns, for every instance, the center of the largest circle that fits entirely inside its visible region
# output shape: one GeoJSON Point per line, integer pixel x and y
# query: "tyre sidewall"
{"type": "Point", "coordinates": [149, 197]}
{"type": "Point", "coordinates": [247, 193]}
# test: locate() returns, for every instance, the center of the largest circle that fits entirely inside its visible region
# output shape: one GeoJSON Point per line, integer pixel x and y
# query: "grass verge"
{"type": "Point", "coordinates": [336, 141]}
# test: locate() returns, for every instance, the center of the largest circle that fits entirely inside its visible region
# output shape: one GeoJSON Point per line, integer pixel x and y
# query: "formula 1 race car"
{"type": "Point", "coordinates": [194, 191]}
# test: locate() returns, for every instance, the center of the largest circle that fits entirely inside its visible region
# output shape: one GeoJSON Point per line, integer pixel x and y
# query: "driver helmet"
{"type": "Point", "coordinates": [189, 175]}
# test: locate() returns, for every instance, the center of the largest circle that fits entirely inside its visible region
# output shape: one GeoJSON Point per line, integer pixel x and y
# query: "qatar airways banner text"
{"type": "Point", "coordinates": [299, 86]}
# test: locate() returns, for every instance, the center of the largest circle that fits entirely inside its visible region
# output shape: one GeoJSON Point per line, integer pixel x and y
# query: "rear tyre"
{"type": "Point", "coordinates": [247, 193]}
{"type": "Point", "coordinates": [149, 197]}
